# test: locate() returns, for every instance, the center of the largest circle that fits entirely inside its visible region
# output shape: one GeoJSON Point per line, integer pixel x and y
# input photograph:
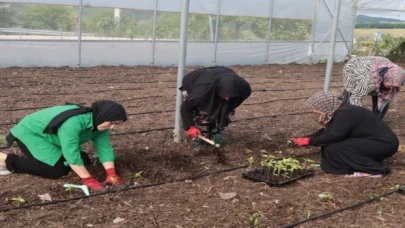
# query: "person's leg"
{"type": "Point", "coordinates": [202, 122]}
{"type": "Point", "coordinates": [30, 165]}
{"type": "Point", "coordinates": [374, 99]}
{"type": "Point", "coordinates": [345, 97]}
{"type": "Point", "coordinates": [356, 155]}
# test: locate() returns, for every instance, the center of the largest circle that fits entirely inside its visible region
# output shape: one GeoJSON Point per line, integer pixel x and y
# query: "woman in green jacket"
{"type": "Point", "coordinates": [50, 140]}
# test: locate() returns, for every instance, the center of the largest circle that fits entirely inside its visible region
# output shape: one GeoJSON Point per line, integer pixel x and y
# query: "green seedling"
{"type": "Point", "coordinates": [379, 212]}
{"type": "Point", "coordinates": [395, 187]}
{"type": "Point", "coordinates": [326, 196]}
{"type": "Point", "coordinates": [262, 165]}
{"type": "Point", "coordinates": [372, 196]}
{"type": "Point", "coordinates": [307, 164]}
{"type": "Point", "coordinates": [69, 188]}
{"type": "Point", "coordinates": [18, 200]}
{"type": "Point", "coordinates": [251, 160]}
{"type": "Point", "coordinates": [309, 213]}
{"type": "Point", "coordinates": [139, 174]}
{"type": "Point", "coordinates": [255, 218]}
{"type": "Point", "coordinates": [278, 152]}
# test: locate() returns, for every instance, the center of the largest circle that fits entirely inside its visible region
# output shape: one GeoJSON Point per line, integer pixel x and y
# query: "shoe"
{"type": "Point", "coordinates": [4, 171]}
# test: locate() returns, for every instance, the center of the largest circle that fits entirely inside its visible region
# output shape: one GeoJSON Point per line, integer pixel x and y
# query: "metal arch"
{"type": "Point", "coordinates": [338, 26]}
{"type": "Point", "coordinates": [344, 14]}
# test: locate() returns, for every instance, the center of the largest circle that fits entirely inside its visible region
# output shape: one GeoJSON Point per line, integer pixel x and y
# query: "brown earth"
{"type": "Point", "coordinates": [274, 113]}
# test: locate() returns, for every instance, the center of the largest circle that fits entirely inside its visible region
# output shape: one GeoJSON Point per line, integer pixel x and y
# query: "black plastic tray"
{"type": "Point", "coordinates": [271, 180]}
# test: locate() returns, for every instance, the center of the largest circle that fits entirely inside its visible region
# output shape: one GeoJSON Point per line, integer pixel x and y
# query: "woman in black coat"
{"type": "Point", "coordinates": [211, 95]}
{"type": "Point", "coordinates": [353, 138]}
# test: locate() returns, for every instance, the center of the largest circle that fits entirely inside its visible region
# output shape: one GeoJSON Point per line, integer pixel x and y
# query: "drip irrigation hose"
{"type": "Point", "coordinates": [134, 187]}
{"type": "Point", "coordinates": [114, 90]}
{"type": "Point", "coordinates": [170, 128]}
{"type": "Point", "coordinates": [399, 190]}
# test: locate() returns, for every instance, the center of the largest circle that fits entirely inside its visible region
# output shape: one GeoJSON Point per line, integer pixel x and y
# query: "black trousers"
{"type": "Point", "coordinates": [31, 165]}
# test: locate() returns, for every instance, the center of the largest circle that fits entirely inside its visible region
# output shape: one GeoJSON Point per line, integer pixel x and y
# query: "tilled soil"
{"type": "Point", "coordinates": [274, 113]}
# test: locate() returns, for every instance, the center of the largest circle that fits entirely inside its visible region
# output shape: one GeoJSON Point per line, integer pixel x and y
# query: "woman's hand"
{"type": "Point", "coordinates": [301, 141]}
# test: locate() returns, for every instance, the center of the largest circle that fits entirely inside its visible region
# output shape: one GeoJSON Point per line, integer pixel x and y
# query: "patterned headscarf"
{"type": "Point", "coordinates": [326, 102]}
{"type": "Point", "coordinates": [394, 77]}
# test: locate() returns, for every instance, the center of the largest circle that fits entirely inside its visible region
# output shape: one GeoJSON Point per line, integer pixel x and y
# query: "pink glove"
{"type": "Point", "coordinates": [193, 132]}
{"type": "Point", "coordinates": [301, 141]}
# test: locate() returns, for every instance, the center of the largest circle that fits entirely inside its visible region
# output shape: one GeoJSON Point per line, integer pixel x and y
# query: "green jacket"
{"type": "Point", "coordinates": [71, 134]}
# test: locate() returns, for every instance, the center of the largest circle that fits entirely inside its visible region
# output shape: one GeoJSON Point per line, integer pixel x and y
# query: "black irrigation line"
{"type": "Point", "coordinates": [149, 82]}
{"type": "Point", "coordinates": [138, 186]}
{"type": "Point", "coordinates": [399, 190]}
{"type": "Point", "coordinates": [152, 112]}
{"type": "Point", "coordinates": [174, 87]}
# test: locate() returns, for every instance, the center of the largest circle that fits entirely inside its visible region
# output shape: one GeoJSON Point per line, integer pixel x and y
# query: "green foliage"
{"type": "Point", "coordinates": [138, 24]}
{"type": "Point", "coordinates": [326, 196]}
{"type": "Point", "coordinates": [391, 47]}
{"type": "Point", "coordinates": [255, 218]}
{"type": "Point", "coordinates": [18, 200]}
{"type": "Point", "coordinates": [7, 16]}
{"type": "Point", "coordinates": [139, 174]}
{"type": "Point", "coordinates": [290, 29]}
{"type": "Point", "coordinates": [381, 25]}
{"type": "Point", "coordinates": [49, 18]}
{"type": "Point", "coordinates": [395, 187]}
{"type": "Point", "coordinates": [251, 160]}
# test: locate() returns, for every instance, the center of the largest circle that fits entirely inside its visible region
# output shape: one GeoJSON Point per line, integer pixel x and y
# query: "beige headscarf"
{"type": "Point", "coordinates": [326, 102]}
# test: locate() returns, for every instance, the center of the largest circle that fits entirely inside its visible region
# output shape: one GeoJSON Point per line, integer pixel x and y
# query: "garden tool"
{"type": "Point", "coordinates": [216, 142]}
{"type": "Point", "coordinates": [84, 188]}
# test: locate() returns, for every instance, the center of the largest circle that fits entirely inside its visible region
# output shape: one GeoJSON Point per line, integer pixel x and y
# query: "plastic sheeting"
{"type": "Point", "coordinates": [54, 53]}
{"type": "Point", "coordinates": [62, 53]}
{"type": "Point", "coordinates": [254, 8]}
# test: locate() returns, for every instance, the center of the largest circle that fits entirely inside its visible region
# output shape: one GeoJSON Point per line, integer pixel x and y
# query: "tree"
{"type": "Point", "coordinates": [49, 18]}
{"type": "Point", "coordinates": [7, 18]}
{"type": "Point", "coordinates": [236, 22]}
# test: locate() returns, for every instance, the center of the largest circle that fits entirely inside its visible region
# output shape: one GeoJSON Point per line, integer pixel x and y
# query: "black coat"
{"type": "Point", "coordinates": [355, 140]}
{"type": "Point", "coordinates": [206, 87]}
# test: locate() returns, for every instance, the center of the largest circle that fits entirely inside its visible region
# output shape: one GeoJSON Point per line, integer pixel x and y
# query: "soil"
{"type": "Point", "coordinates": [275, 113]}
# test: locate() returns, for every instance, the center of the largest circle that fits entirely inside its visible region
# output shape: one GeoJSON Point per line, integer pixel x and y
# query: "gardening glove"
{"type": "Point", "coordinates": [193, 132]}
{"type": "Point", "coordinates": [301, 141]}
{"type": "Point", "coordinates": [93, 184]}
{"type": "Point", "coordinates": [114, 179]}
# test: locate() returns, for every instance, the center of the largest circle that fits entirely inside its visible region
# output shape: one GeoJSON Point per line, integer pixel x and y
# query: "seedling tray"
{"type": "Point", "coordinates": [273, 180]}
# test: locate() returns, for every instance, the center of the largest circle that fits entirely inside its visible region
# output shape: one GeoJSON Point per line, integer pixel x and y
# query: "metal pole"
{"type": "Point", "coordinates": [332, 44]}
{"type": "Point", "coordinates": [313, 34]}
{"type": "Point", "coordinates": [153, 32]}
{"type": "Point", "coordinates": [79, 34]}
{"type": "Point", "coordinates": [353, 28]}
{"type": "Point", "coordinates": [211, 27]}
{"type": "Point", "coordinates": [269, 30]}
{"type": "Point", "coordinates": [180, 68]}
{"type": "Point", "coordinates": [216, 33]}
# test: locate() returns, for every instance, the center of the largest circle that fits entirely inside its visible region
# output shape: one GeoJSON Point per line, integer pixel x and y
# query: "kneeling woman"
{"type": "Point", "coordinates": [353, 138]}
{"type": "Point", "coordinates": [211, 95]}
{"type": "Point", "coordinates": [50, 139]}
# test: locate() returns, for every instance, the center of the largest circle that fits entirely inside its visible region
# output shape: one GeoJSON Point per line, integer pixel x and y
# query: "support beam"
{"type": "Point", "coordinates": [181, 68]}
{"type": "Point", "coordinates": [79, 34]}
{"type": "Point", "coordinates": [214, 61]}
{"type": "Point", "coordinates": [332, 44]}
{"type": "Point", "coordinates": [154, 32]}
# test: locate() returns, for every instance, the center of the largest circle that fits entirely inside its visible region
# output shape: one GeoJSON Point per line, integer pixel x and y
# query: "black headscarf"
{"type": "Point", "coordinates": [106, 110]}
{"type": "Point", "coordinates": [207, 87]}
{"type": "Point", "coordinates": [103, 111]}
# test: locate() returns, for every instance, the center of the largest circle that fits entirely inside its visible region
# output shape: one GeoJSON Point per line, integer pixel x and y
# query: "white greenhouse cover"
{"type": "Point", "coordinates": [142, 52]}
